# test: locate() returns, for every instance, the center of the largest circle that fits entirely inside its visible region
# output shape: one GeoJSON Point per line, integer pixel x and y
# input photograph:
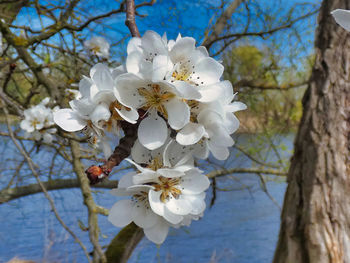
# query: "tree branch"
{"type": "Point", "coordinates": [130, 18]}
{"type": "Point", "coordinates": [220, 23]}
{"type": "Point", "coordinates": [245, 170]}
{"type": "Point", "coordinates": [36, 175]}
{"type": "Point", "coordinates": [9, 194]}
{"type": "Point", "coordinates": [263, 85]}
{"type": "Point", "coordinates": [89, 202]}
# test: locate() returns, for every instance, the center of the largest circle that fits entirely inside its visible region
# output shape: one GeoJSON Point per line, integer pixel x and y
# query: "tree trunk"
{"type": "Point", "coordinates": [315, 224]}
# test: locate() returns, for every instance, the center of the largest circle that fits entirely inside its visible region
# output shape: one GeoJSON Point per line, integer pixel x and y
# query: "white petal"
{"type": "Point", "coordinates": [102, 77]}
{"type": "Point", "coordinates": [140, 154]}
{"type": "Point", "coordinates": [209, 117]}
{"type": "Point", "coordinates": [126, 181]}
{"type": "Point", "coordinates": [182, 49]}
{"type": "Point", "coordinates": [144, 216]}
{"type": "Point", "coordinates": [101, 112]}
{"type": "Point", "coordinates": [120, 213]}
{"type": "Point", "coordinates": [197, 203]}
{"type": "Point", "coordinates": [231, 122]}
{"type": "Point", "coordinates": [219, 136]}
{"type": "Point", "coordinates": [134, 45]}
{"type": "Point", "coordinates": [171, 217]}
{"type": "Point", "coordinates": [139, 167]}
{"type": "Point", "coordinates": [202, 150]}
{"type": "Point", "coordinates": [26, 125]}
{"type": "Point", "coordinates": [160, 67]}
{"type": "Point", "coordinates": [190, 134]}
{"type": "Point", "coordinates": [156, 204]}
{"type": "Point", "coordinates": [127, 90]}
{"type": "Point", "coordinates": [208, 70]}
{"type": "Point", "coordinates": [187, 91]}
{"type": "Point", "coordinates": [130, 115]}
{"type": "Point", "coordinates": [178, 206]}
{"type": "Point", "coordinates": [194, 184]}
{"type": "Point", "coordinates": [145, 177]}
{"type": "Point", "coordinates": [170, 172]}
{"type": "Point", "coordinates": [153, 43]}
{"type": "Point", "coordinates": [152, 131]}
{"type": "Point", "coordinates": [342, 17]}
{"type": "Point", "coordinates": [178, 113]}
{"type": "Point", "coordinates": [118, 71]}
{"type": "Point", "coordinates": [236, 106]}
{"type": "Point", "coordinates": [84, 86]}
{"type": "Point", "coordinates": [133, 61]}
{"type": "Point", "coordinates": [158, 232]}
{"type": "Point", "coordinates": [68, 120]}
{"type": "Point", "coordinates": [83, 106]}
{"type": "Point", "coordinates": [210, 92]}
{"type": "Point", "coordinates": [219, 152]}
{"type": "Point", "coordinates": [104, 96]}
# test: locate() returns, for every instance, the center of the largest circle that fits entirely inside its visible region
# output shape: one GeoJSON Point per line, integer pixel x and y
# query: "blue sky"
{"type": "Point", "coordinates": [191, 18]}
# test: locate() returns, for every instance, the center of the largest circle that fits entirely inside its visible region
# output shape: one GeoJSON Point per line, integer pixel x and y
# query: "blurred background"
{"type": "Point", "coordinates": [267, 50]}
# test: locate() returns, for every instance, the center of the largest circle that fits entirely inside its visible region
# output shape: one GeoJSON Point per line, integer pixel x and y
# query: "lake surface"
{"type": "Point", "coordinates": [241, 227]}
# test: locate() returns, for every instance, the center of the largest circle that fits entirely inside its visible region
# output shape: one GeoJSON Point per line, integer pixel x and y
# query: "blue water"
{"type": "Point", "coordinates": [241, 227]}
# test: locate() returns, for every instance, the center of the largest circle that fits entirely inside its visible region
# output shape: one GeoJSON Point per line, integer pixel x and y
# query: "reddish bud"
{"type": "Point", "coordinates": [94, 173]}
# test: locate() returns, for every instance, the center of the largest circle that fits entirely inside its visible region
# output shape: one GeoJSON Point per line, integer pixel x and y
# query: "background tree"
{"type": "Point", "coordinates": [315, 218]}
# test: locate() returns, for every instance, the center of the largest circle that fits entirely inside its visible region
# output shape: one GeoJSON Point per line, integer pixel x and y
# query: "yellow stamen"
{"type": "Point", "coordinates": [155, 98]}
{"type": "Point", "coordinates": [167, 186]}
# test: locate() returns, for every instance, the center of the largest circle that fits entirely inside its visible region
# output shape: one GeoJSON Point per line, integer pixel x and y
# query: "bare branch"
{"type": "Point", "coordinates": [9, 194]}
{"type": "Point", "coordinates": [224, 172]}
{"type": "Point", "coordinates": [130, 18]}
{"type": "Point", "coordinates": [88, 201]}
{"type": "Point", "coordinates": [263, 85]}
{"type": "Point", "coordinates": [36, 175]}
{"type": "Point", "coordinates": [221, 23]}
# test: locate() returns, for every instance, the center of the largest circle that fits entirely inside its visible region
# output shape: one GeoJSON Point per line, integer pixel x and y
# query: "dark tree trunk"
{"type": "Point", "coordinates": [315, 224]}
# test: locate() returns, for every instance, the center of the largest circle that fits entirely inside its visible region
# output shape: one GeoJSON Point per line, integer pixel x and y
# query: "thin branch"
{"type": "Point", "coordinates": [36, 175]}
{"type": "Point", "coordinates": [9, 194]}
{"type": "Point", "coordinates": [245, 170]}
{"type": "Point", "coordinates": [220, 24]}
{"type": "Point", "coordinates": [263, 85]}
{"type": "Point", "coordinates": [253, 158]}
{"type": "Point", "coordinates": [130, 18]}
{"type": "Point", "coordinates": [88, 201]}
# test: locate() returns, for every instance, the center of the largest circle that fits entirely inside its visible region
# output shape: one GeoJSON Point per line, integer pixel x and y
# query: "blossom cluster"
{"type": "Point", "coordinates": [172, 91]}
{"type": "Point", "coordinates": [38, 122]}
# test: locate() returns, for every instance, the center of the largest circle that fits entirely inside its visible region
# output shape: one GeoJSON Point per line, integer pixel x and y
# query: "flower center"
{"type": "Point", "coordinates": [184, 72]}
{"type": "Point", "coordinates": [168, 187]}
{"type": "Point", "coordinates": [155, 98]}
{"type": "Point", "coordinates": [35, 122]}
{"type": "Point", "coordinates": [155, 164]}
{"type": "Point", "coordinates": [95, 49]}
{"type": "Point", "coordinates": [141, 198]}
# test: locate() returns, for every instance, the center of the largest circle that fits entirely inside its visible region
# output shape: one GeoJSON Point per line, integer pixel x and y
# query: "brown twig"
{"type": "Point", "coordinates": [130, 18]}
{"type": "Point", "coordinates": [97, 174]}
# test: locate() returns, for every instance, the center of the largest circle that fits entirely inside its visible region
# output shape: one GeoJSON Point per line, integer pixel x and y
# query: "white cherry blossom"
{"type": "Point", "coordinates": [38, 121]}
{"type": "Point", "coordinates": [160, 100]}
{"type": "Point", "coordinates": [98, 46]}
{"type": "Point", "coordinates": [137, 210]}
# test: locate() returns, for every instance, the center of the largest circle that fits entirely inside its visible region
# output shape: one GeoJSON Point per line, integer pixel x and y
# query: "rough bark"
{"type": "Point", "coordinates": [315, 224]}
